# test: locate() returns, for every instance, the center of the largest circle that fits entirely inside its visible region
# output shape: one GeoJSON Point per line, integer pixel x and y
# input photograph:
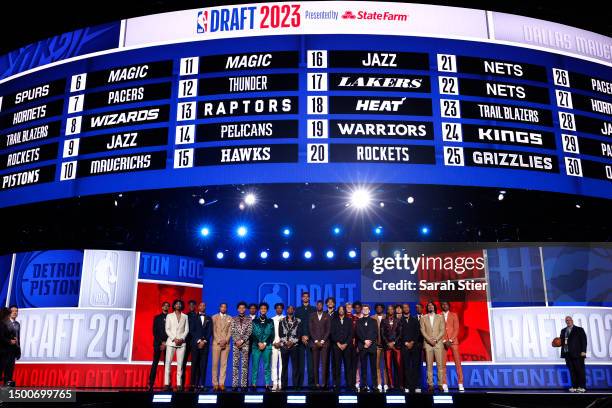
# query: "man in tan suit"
{"type": "Point", "coordinates": [433, 330]}
{"type": "Point", "coordinates": [222, 324]}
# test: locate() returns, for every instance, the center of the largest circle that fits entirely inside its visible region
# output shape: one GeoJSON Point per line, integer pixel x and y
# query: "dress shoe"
{"type": "Point", "coordinates": [430, 389]}
{"type": "Point", "coordinates": [167, 388]}
{"type": "Point", "coordinates": [440, 388]}
{"type": "Point", "coordinates": [221, 388]}
{"type": "Point", "coordinates": [179, 388]}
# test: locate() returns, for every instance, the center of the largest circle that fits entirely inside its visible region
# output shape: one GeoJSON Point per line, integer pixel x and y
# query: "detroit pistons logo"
{"type": "Point", "coordinates": [202, 26]}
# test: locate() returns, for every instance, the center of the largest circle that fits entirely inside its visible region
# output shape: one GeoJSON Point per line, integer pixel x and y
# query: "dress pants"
{"type": "Point", "coordinates": [186, 358]}
{"type": "Point", "coordinates": [438, 353]}
{"type": "Point", "coordinates": [293, 355]}
{"type": "Point", "coordinates": [457, 359]}
{"type": "Point", "coordinates": [305, 358]}
{"type": "Point", "coordinates": [219, 357]}
{"type": "Point", "coordinates": [240, 369]}
{"type": "Point", "coordinates": [576, 369]}
{"type": "Point", "coordinates": [393, 367]}
{"type": "Point", "coordinates": [199, 365]}
{"type": "Point", "coordinates": [156, 357]}
{"type": "Point", "coordinates": [365, 356]}
{"type": "Point", "coordinates": [319, 359]}
{"type": "Point", "coordinates": [380, 352]}
{"type": "Point", "coordinates": [411, 360]}
{"type": "Point", "coordinates": [342, 358]}
{"type": "Point", "coordinates": [266, 356]}
{"type": "Point", "coordinates": [277, 366]}
{"type": "Point", "coordinates": [180, 356]}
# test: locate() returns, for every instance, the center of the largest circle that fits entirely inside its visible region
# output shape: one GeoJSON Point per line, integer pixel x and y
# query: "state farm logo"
{"type": "Point", "coordinates": [374, 16]}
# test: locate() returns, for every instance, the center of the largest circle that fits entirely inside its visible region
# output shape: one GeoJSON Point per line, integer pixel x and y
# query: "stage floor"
{"type": "Point", "coordinates": [324, 399]}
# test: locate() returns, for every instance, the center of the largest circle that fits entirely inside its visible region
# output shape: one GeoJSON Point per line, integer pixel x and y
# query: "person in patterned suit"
{"type": "Point", "coordinates": [242, 327]}
{"type": "Point", "coordinates": [289, 333]}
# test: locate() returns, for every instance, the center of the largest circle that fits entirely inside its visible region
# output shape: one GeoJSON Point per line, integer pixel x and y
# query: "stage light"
{"type": "Point", "coordinates": [286, 254]}
{"type": "Point", "coordinates": [329, 254]}
{"type": "Point", "coordinates": [207, 399]}
{"type": "Point", "coordinates": [253, 398]}
{"type": "Point", "coordinates": [205, 231]}
{"type": "Point", "coordinates": [410, 200]}
{"type": "Point", "coordinates": [250, 199]}
{"type": "Point", "coordinates": [242, 255]}
{"type": "Point", "coordinates": [286, 231]}
{"type": "Point", "coordinates": [263, 254]}
{"type": "Point", "coordinates": [424, 230]}
{"type": "Point", "coordinates": [242, 231]}
{"type": "Point", "coordinates": [501, 195]}
{"type": "Point", "coordinates": [381, 204]}
{"type": "Point", "coordinates": [220, 255]}
{"type": "Point", "coordinates": [201, 201]}
{"type": "Point", "coordinates": [374, 253]}
{"type": "Point", "coordinates": [442, 399]}
{"type": "Point", "coordinates": [275, 206]}
{"type": "Point", "coordinates": [336, 230]}
{"type": "Point", "coordinates": [347, 399]}
{"type": "Point", "coordinates": [241, 205]}
{"type": "Point", "coordinates": [296, 399]}
{"type": "Point", "coordinates": [360, 198]}
{"type": "Point", "coordinates": [395, 399]}
{"type": "Point", "coordinates": [352, 253]}
{"type": "Point", "coordinates": [307, 254]}
{"type": "Point", "coordinates": [578, 206]}
{"type": "Point", "coordinates": [378, 230]}
{"type": "Point", "coordinates": [162, 398]}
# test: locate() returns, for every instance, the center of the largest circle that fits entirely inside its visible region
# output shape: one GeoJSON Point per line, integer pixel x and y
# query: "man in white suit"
{"type": "Point", "coordinates": [277, 363]}
{"type": "Point", "coordinates": [177, 328]}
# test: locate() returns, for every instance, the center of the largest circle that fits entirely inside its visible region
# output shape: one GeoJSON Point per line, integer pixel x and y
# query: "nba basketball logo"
{"type": "Point", "coordinates": [202, 21]}
{"type": "Point", "coordinates": [273, 293]}
{"type": "Point", "coordinates": [104, 285]}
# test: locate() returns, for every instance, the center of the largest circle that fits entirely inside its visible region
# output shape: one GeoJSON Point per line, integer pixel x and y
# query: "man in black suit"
{"type": "Point", "coordinates": [14, 350]}
{"type": "Point", "coordinates": [159, 341]}
{"type": "Point", "coordinates": [366, 333]}
{"type": "Point", "coordinates": [304, 353]}
{"type": "Point", "coordinates": [342, 345]}
{"type": "Point", "coordinates": [573, 349]}
{"type": "Point", "coordinates": [188, 341]}
{"type": "Point", "coordinates": [411, 352]}
{"type": "Point", "coordinates": [320, 328]}
{"type": "Point", "coordinates": [200, 327]}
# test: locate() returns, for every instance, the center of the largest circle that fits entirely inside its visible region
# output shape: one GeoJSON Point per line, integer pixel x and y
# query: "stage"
{"type": "Point", "coordinates": [324, 399]}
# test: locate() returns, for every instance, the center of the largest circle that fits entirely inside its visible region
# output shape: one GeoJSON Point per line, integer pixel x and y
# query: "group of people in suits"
{"type": "Point", "coordinates": [320, 338]}
{"type": "Point", "coordinates": [10, 349]}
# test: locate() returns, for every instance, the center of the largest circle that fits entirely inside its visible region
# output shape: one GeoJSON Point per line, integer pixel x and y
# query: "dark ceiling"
{"type": "Point", "coordinates": [25, 21]}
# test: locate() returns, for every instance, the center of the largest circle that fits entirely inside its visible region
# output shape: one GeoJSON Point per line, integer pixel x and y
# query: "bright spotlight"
{"type": "Point", "coordinates": [500, 197]}
{"type": "Point", "coordinates": [360, 199]}
{"type": "Point", "coordinates": [220, 255]}
{"type": "Point", "coordinates": [286, 231]}
{"type": "Point", "coordinates": [205, 231]}
{"type": "Point", "coordinates": [352, 253]}
{"type": "Point", "coordinates": [263, 254]}
{"type": "Point", "coordinates": [307, 254]}
{"type": "Point", "coordinates": [285, 254]}
{"type": "Point", "coordinates": [242, 231]}
{"type": "Point", "coordinates": [329, 254]}
{"type": "Point", "coordinates": [336, 230]}
{"type": "Point", "coordinates": [202, 201]}
{"type": "Point", "coordinates": [425, 230]}
{"type": "Point", "coordinates": [378, 230]}
{"type": "Point", "coordinates": [250, 199]}
{"type": "Point", "coordinates": [242, 255]}
{"type": "Point", "coordinates": [410, 200]}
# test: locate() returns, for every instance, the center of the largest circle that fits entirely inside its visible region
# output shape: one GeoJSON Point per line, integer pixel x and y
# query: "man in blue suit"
{"type": "Point", "coordinates": [200, 327]}
{"type": "Point", "coordinates": [573, 349]}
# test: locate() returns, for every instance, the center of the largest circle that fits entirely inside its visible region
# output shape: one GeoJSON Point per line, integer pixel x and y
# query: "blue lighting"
{"type": "Point", "coordinates": [336, 230]}
{"type": "Point", "coordinates": [424, 230]}
{"type": "Point", "coordinates": [286, 231]}
{"type": "Point", "coordinates": [307, 254]}
{"type": "Point", "coordinates": [220, 255]}
{"type": "Point", "coordinates": [329, 254]}
{"type": "Point", "coordinates": [242, 231]}
{"type": "Point", "coordinates": [205, 231]}
{"type": "Point", "coordinates": [263, 254]}
{"type": "Point", "coordinates": [378, 230]}
{"type": "Point", "coordinates": [242, 255]}
{"type": "Point", "coordinates": [352, 253]}
{"type": "Point", "coordinates": [285, 254]}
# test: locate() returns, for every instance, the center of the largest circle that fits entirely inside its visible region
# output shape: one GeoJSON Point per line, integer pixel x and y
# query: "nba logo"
{"type": "Point", "coordinates": [104, 285]}
{"type": "Point", "coordinates": [273, 293]}
{"type": "Point", "coordinates": [202, 21]}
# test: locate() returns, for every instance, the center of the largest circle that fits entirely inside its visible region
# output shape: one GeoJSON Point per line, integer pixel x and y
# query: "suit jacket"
{"type": "Point", "coordinates": [319, 329]}
{"type": "Point", "coordinates": [303, 313]}
{"type": "Point", "coordinates": [200, 330]}
{"type": "Point", "coordinates": [366, 329]}
{"type": "Point", "coordinates": [222, 328]}
{"type": "Point", "coordinates": [576, 342]}
{"type": "Point", "coordinates": [341, 332]}
{"type": "Point", "coordinates": [411, 331]}
{"type": "Point", "coordinates": [379, 341]}
{"type": "Point", "coordinates": [159, 330]}
{"type": "Point", "coordinates": [176, 329]}
{"type": "Point", "coordinates": [289, 332]}
{"type": "Point", "coordinates": [452, 327]}
{"type": "Point", "coordinates": [391, 330]}
{"type": "Point", "coordinates": [437, 331]}
{"type": "Point", "coordinates": [241, 329]}
{"type": "Point", "coordinates": [6, 335]}
{"type": "Point", "coordinates": [277, 319]}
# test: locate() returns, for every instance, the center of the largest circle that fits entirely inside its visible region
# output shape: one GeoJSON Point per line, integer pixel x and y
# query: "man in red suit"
{"type": "Point", "coordinates": [451, 341]}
